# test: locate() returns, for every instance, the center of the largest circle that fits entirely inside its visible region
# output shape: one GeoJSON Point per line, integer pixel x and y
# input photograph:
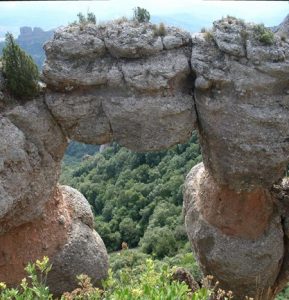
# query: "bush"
{"type": "Point", "coordinates": [159, 30]}
{"type": "Point", "coordinates": [263, 34]}
{"type": "Point", "coordinates": [141, 15]}
{"type": "Point", "coordinates": [159, 241]}
{"type": "Point", "coordinates": [20, 71]}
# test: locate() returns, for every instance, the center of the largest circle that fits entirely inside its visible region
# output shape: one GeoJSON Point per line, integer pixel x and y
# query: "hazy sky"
{"type": "Point", "coordinates": [189, 13]}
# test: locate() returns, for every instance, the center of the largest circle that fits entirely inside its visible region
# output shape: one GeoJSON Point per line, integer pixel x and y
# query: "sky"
{"type": "Point", "coordinates": [189, 14]}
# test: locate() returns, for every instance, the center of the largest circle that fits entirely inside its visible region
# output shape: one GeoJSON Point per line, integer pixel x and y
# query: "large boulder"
{"type": "Point", "coordinates": [63, 232]}
{"type": "Point", "coordinates": [121, 81]}
{"type": "Point", "coordinates": [242, 96]}
{"type": "Point", "coordinates": [244, 254]}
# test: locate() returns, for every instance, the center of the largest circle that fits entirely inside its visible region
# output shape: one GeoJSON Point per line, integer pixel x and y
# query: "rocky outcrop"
{"type": "Point", "coordinates": [128, 82]}
{"type": "Point", "coordinates": [38, 218]}
{"type": "Point", "coordinates": [234, 235]}
{"type": "Point", "coordinates": [121, 81]}
{"type": "Point", "coordinates": [243, 114]}
{"type": "Point", "coordinates": [241, 97]}
{"type": "Point", "coordinates": [64, 232]}
{"type": "Point", "coordinates": [99, 89]}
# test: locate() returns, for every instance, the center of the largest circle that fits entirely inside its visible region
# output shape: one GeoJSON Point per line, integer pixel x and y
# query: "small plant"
{"type": "Point", "coordinates": [162, 29]}
{"type": "Point", "coordinates": [263, 34]}
{"type": "Point", "coordinates": [19, 69]}
{"type": "Point", "coordinates": [84, 20]}
{"type": "Point", "coordinates": [208, 36]}
{"type": "Point", "coordinates": [33, 287]}
{"type": "Point", "coordinates": [141, 15]}
{"type": "Point", "coordinates": [85, 290]}
{"type": "Point", "coordinates": [159, 30]}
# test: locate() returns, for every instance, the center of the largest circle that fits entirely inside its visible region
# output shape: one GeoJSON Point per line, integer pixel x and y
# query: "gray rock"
{"type": "Point", "coordinates": [244, 113]}
{"type": "Point", "coordinates": [283, 29]}
{"type": "Point", "coordinates": [248, 267]}
{"type": "Point", "coordinates": [150, 123]}
{"type": "Point", "coordinates": [84, 251]}
{"type": "Point", "coordinates": [156, 73]}
{"type": "Point", "coordinates": [32, 146]}
{"type": "Point", "coordinates": [113, 96]}
{"type": "Point", "coordinates": [79, 206]}
{"type": "Point", "coordinates": [72, 42]}
{"type": "Point", "coordinates": [81, 116]}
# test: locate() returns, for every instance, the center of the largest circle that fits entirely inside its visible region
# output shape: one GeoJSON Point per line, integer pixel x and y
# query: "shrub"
{"type": "Point", "coordinates": [263, 34]}
{"type": "Point", "coordinates": [208, 35]}
{"type": "Point", "coordinates": [159, 30]}
{"type": "Point", "coordinates": [141, 15]}
{"type": "Point", "coordinates": [84, 20]}
{"type": "Point", "coordinates": [159, 241]}
{"type": "Point", "coordinates": [20, 71]}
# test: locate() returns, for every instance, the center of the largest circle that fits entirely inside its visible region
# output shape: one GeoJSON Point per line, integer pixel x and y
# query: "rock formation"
{"type": "Point", "coordinates": [120, 81]}
{"type": "Point", "coordinates": [128, 82]}
{"type": "Point", "coordinates": [233, 219]}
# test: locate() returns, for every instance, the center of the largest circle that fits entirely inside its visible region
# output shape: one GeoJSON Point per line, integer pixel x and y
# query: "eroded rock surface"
{"type": "Point", "coordinates": [235, 247]}
{"type": "Point", "coordinates": [124, 81]}
{"type": "Point", "coordinates": [32, 146]}
{"type": "Point", "coordinates": [233, 218]}
{"type": "Point", "coordinates": [121, 81]}
{"type": "Point", "coordinates": [242, 101]}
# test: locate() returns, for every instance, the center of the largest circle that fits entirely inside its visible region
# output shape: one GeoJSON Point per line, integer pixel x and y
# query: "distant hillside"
{"type": "Point", "coordinates": [32, 40]}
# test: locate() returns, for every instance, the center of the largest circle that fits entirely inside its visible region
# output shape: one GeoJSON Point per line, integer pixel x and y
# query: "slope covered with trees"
{"type": "Point", "coordinates": [137, 197]}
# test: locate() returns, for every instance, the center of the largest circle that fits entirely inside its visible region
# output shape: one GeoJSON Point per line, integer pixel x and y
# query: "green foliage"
{"type": "Point", "coordinates": [284, 295]}
{"type": "Point", "coordinates": [76, 152]}
{"type": "Point", "coordinates": [20, 71]}
{"type": "Point", "coordinates": [130, 191]}
{"type": "Point", "coordinates": [152, 281]}
{"type": "Point", "coordinates": [84, 20]}
{"type": "Point", "coordinates": [159, 241]}
{"type": "Point", "coordinates": [141, 15]}
{"type": "Point", "coordinates": [31, 288]}
{"type": "Point", "coordinates": [263, 34]}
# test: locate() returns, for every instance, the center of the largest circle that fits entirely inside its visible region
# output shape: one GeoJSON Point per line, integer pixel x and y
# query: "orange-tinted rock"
{"type": "Point", "coordinates": [65, 234]}
{"type": "Point", "coordinates": [244, 214]}
{"type": "Point", "coordinates": [244, 254]}
{"type": "Point", "coordinates": [28, 242]}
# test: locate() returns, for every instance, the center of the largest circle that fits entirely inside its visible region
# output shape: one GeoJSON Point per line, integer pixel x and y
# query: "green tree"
{"type": "Point", "coordinates": [141, 15]}
{"type": "Point", "coordinates": [20, 71]}
{"type": "Point", "coordinates": [159, 241]}
{"type": "Point", "coordinates": [129, 232]}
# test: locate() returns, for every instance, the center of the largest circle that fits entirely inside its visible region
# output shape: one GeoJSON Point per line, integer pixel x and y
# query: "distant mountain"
{"type": "Point", "coordinates": [32, 40]}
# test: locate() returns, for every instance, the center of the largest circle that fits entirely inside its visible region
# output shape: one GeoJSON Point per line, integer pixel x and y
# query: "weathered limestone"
{"type": "Point", "coordinates": [36, 217]}
{"type": "Point", "coordinates": [99, 89]}
{"type": "Point", "coordinates": [121, 81]}
{"type": "Point", "coordinates": [231, 214]}
{"type": "Point", "coordinates": [243, 113]}
{"type": "Point", "coordinates": [236, 236]}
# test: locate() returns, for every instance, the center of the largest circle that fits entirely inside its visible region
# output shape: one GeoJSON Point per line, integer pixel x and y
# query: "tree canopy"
{"type": "Point", "coordinates": [20, 71]}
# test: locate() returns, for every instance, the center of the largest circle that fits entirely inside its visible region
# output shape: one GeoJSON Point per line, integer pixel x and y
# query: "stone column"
{"type": "Point", "coordinates": [233, 219]}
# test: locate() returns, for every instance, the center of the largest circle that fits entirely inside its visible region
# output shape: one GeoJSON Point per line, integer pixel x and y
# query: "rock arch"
{"type": "Point", "coordinates": [124, 81]}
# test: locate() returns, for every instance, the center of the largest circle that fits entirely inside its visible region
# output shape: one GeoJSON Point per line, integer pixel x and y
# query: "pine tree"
{"type": "Point", "coordinates": [20, 71]}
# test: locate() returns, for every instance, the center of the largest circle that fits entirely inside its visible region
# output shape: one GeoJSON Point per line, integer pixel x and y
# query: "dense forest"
{"type": "Point", "coordinates": [136, 197]}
